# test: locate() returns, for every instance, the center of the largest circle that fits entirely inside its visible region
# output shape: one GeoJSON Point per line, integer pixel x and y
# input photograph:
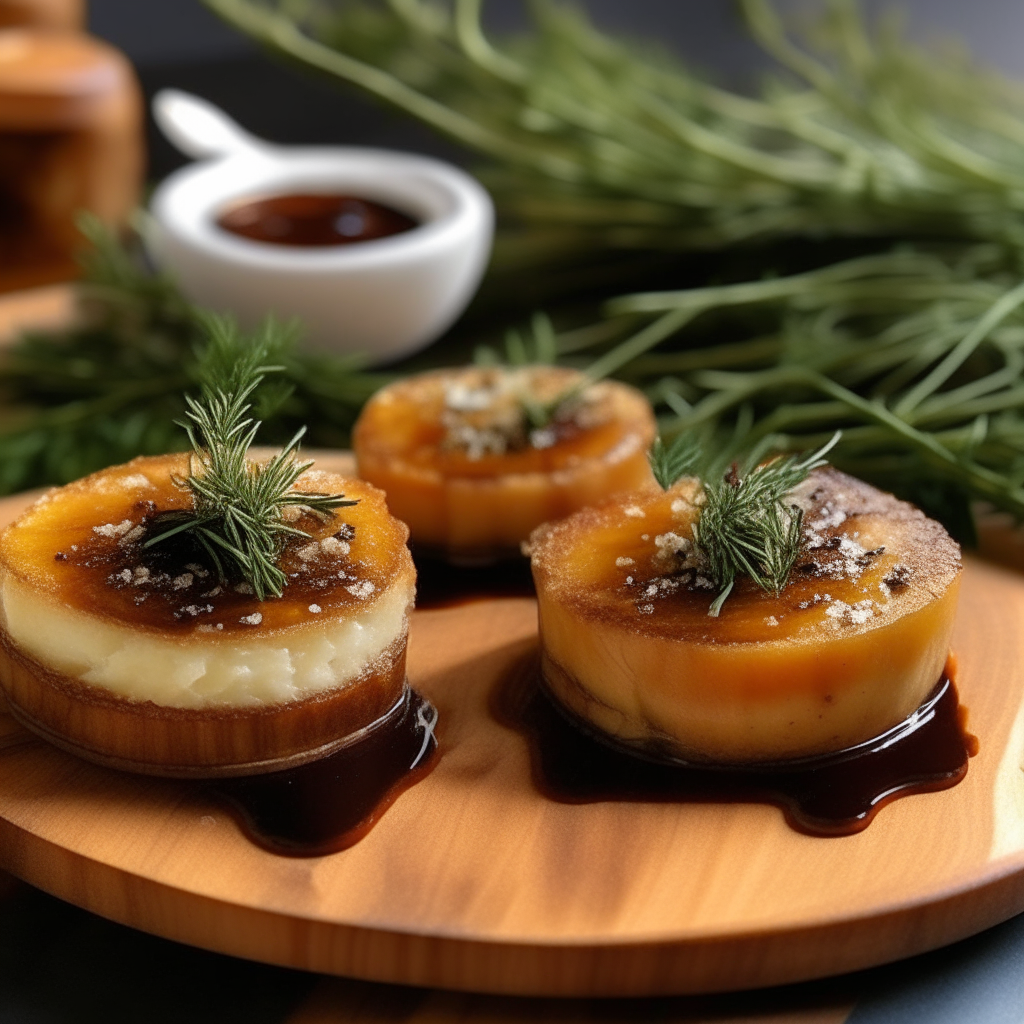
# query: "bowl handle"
{"type": "Point", "coordinates": [200, 129]}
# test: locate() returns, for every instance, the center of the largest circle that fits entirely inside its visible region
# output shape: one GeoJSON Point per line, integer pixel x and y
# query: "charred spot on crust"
{"type": "Point", "coordinates": [898, 576]}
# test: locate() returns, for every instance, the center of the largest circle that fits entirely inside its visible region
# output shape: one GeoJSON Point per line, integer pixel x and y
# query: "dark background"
{"type": "Point", "coordinates": [179, 43]}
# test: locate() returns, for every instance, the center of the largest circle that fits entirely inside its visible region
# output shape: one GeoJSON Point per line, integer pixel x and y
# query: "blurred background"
{"type": "Point", "coordinates": [179, 43]}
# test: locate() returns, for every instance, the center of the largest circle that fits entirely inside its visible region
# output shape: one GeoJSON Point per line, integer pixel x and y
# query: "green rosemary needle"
{"type": "Point", "coordinates": [671, 462]}
{"type": "Point", "coordinates": [746, 526]}
{"type": "Point", "coordinates": [238, 514]}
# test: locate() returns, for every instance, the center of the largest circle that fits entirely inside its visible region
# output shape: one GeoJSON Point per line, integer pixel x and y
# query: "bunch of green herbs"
{"type": "Point", "coordinates": [111, 386]}
{"type": "Point", "coordinates": [595, 147]}
{"type": "Point", "coordinates": [592, 144]}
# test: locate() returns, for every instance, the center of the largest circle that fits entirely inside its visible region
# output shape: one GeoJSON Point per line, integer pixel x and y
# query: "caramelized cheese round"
{"type": "Point", "coordinates": [464, 469]}
{"type": "Point", "coordinates": [81, 596]}
{"type": "Point", "coordinates": [852, 645]}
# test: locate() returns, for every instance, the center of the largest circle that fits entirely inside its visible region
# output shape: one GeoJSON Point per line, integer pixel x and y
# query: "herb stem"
{"type": "Point", "coordinates": [281, 33]}
{"type": "Point", "coordinates": [995, 316]}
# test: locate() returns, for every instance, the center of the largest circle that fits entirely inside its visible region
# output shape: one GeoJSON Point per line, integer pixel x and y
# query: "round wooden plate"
{"type": "Point", "coordinates": [472, 880]}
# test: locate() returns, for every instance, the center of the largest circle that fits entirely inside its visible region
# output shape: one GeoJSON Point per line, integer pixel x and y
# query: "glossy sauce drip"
{"type": "Point", "coordinates": [314, 220]}
{"type": "Point", "coordinates": [832, 795]}
{"type": "Point", "coordinates": [330, 804]}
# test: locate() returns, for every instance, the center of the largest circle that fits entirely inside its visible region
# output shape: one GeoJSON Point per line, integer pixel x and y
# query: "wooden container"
{"type": "Point", "coordinates": [70, 140]}
{"type": "Point", "coordinates": [65, 15]}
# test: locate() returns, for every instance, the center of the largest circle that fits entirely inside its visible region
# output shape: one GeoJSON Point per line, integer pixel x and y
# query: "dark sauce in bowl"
{"type": "Point", "coordinates": [314, 220]}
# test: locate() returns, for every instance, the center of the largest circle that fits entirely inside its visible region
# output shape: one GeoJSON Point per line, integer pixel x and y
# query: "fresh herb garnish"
{"type": "Point", "coordinates": [671, 462]}
{"type": "Point", "coordinates": [745, 525]}
{"type": "Point", "coordinates": [538, 347]}
{"type": "Point", "coordinates": [238, 514]}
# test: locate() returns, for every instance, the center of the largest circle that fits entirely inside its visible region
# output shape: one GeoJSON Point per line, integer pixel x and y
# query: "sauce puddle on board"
{"type": "Point", "coordinates": [314, 220]}
{"type": "Point", "coordinates": [330, 804]}
{"type": "Point", "coordinates": [830, 795]}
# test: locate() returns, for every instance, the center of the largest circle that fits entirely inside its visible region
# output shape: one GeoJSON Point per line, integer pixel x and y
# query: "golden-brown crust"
{"type": "Point", "coordinates": [851, 646]}
{"type": "Point", "coordinates": [574, 563]}
{"type": "Point", "coordinates": [480, 504]}
{"type": "Point", "coordinates": [71, 550]}
{"type": "Point", "coordinates": [401, 426]}
{"type": "Point", "coordinates": [54, 548]}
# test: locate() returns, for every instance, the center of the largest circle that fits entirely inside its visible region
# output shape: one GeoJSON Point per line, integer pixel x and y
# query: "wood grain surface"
{"type": "Point", "coordinates": [51, 307]}
{"type": "Point", "coordinates": [474, 881]}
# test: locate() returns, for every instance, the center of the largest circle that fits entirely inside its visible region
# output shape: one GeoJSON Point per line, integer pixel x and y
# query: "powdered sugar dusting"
{"type": "Point", "coordinates": [136, 481]}
{"type": "Point", "coordinates": [363, 589]}
{"type": "Point", "coordinates": [334, 547]}
{"type": "Point", "coordinates": [309, 551]}
{"type": "Point", "coordinates": [855, 614]}
{"type": "Point", "coordinates": [113, 529]}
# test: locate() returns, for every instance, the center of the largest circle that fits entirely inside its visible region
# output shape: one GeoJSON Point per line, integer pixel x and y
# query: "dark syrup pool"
{"type": "Point", "coordinates": [831, 795]}
{"type": "Point", "coordinates": [330, 804]}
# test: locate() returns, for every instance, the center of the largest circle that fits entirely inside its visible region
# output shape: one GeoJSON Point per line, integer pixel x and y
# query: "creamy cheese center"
{"type": "Point", "coordinates": [202, 670]}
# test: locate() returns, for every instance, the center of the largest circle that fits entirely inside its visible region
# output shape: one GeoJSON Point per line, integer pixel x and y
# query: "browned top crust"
{"type": "Point", "coordinates": [82, 544]}
{"type": "Point", "coordinates": [866, 558]}
{"type": "Point", "coordinates": [434, 422]}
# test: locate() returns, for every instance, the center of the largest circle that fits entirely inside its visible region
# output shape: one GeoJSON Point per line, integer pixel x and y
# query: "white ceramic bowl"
{"type": "Point", "coordinates": [384, 298]}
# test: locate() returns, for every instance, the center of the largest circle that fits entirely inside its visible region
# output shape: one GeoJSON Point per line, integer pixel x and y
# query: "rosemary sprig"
{"type": "Point", "coordinates": [671, 462]}
{"type": "Point", "coordinates": [537, 346]}
{"type": "Point", "coordinates": [746, 527]}
{"type": "Point", "coordinates": [239, 506]}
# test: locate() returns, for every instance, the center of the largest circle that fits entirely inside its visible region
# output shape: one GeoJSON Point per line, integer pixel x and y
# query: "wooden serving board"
{"type": "Point", "coordinates": [474, 881]}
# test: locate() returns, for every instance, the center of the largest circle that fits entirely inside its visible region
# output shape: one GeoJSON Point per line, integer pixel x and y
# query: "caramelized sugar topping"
{"type": "Point", "coordinates": [84, 544]}
{"type": "Point", "coordinates": [471, 422]}
{"type": "Point", "coordinates": [866, 558]}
